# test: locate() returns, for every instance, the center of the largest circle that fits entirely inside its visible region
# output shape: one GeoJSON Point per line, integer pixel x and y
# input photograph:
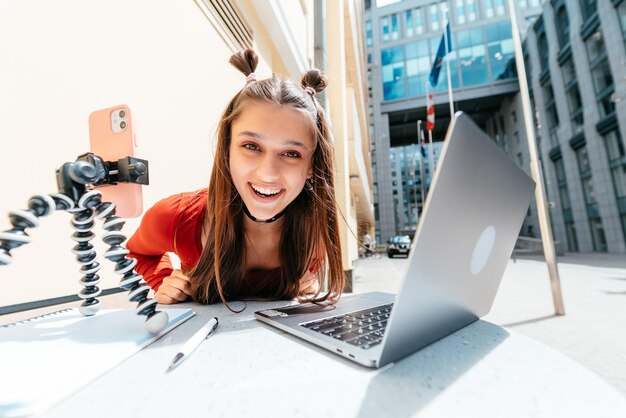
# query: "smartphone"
{"type": "Point", "coordinates": [111, 137]}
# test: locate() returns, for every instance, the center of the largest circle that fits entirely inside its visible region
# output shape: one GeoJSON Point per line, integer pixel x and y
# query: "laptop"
{"type": "Point", "coordinates": [473, 214]}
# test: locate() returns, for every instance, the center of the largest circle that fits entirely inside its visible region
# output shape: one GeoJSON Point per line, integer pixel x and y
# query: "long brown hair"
{"type": "Point", "coordinates": [310, 226]}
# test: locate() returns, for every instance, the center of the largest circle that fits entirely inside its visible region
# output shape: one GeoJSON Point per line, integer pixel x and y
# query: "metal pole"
{"type": "Point", "coordinates": [447, 42]}
{"type": "Point", "coordinates": [431, 154]}
{"type": "Point", "coordinates": [419, 130]}
{"type": "Point", "coordinates": [540, 193]}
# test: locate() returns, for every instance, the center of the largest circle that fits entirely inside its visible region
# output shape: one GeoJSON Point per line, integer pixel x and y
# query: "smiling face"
{"type": "Point", "coordinates": [271, 149]}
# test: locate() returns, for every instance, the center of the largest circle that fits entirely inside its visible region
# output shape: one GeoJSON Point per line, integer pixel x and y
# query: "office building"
{"type": "Point", "coordinates": [402, 39]}
{"type": "Point", "coordinates": [575, 59]}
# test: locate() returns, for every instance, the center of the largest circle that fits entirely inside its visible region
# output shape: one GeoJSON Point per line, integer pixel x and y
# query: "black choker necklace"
{"type": "Point", "coordinates": [267, 221]}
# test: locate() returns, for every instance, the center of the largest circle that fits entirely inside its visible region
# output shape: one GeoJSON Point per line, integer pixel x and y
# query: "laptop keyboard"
{"type": "Point", "coordinates": [363, 329]}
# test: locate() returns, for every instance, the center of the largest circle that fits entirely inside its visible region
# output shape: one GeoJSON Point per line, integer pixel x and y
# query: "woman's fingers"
{"type": "Point", "coordinates": [174, 292]}
{"type": "Point", "coordinates": [175, 288]}
{"type": "Point", "coordinates": [178, 280]}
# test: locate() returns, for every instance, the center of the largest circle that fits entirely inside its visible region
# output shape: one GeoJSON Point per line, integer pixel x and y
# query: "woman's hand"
{"type": "Point", "coordinates": [175, 288]}
{"type": "Point", "coordinates": [309, 284]}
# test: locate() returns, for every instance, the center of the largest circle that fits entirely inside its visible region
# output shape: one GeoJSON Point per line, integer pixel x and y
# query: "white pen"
{"type": "Point", "coordinates": [193, 343]}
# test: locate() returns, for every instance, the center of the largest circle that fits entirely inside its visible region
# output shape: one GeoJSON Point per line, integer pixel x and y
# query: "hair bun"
{"type": "Point", "coordinates": [315, 79]}
{"type": "Point", "coordinates": [245, 61]}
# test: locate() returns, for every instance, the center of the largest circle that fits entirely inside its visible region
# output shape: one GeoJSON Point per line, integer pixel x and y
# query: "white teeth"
{"type": "Point", "coordinates": [266, 191]}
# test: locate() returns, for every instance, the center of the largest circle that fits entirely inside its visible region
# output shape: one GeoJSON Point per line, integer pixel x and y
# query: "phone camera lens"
{"type": "Point", "coordinates": [122, 124]}
{"type": "Point", "coordinates": [122, 113]}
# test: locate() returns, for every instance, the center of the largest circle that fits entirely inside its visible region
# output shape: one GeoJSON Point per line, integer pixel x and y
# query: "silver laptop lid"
{"type": "Point", "coordinates": [469, 225]}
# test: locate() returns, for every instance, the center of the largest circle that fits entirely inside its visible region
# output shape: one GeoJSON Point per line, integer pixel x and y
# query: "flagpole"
{"type": "Point", "coordinates": [540, 193]}
{"type": "Point", "coordinates": [430, 137]}
{"type": "Point", "coordinates": [420, 135]}
{"type": "Point", "coordinates": [431, 153]}
{"type": "Point", "coordinates": [447, 42]}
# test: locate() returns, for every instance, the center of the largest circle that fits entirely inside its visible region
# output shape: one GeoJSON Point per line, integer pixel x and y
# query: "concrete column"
{"type": "Point", "coordinates": [337, 103]}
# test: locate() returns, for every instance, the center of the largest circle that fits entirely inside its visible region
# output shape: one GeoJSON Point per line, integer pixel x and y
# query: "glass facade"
{"type": "Point", "coordinates": [480, 55]}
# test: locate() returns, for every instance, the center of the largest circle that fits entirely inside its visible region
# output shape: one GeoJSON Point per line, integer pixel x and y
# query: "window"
{"type": "Point", "coordinates": [488, 8]}
{"type": "Point", "coordinates": [600, 73]}
{"type": "Point", "coordinates": [419, 21]}
{"type": "Point", "coordinates": [384, 26]}
{"type": "Point", "coordinates": [520, 159]}
{"type": "Point", "coordinates": [393, 73]}
{"type": "Point", "coordinates": [566, 207]}
{"type": "Point", "coordinates": [552, 115]}
{"type": "Point", "coordinates": [572, 92]}
{"type": "Point", "coordinates": [395, 32]}
{"type": "Point", "coordinates": [368, 32]}
{"type": "Point", "coordinates": [471, 53]}
{"type": "Point", "coordinates": [562, 26]}
{"type": "Point", "coordinates": [414, 22]}
{"type": "Point", "coordinates": [418, 67]}
{"type": "Point", "coordinates": [434, 17]}
{"type": "Point", "coordinates": [542, 46]}
{"type": "Point", "coordinates": [617, 164]}
{"type": "Point", "coordinates": [595, 221]}
{"type": "Point", "coordinates": [500, 7]}
{"type": "Point", "coordinates": [408, 23]}
{"type": "Point", "coordinates": [471, 10]}
{"type": "Point", "coordinates": [465, 11]}
{"type": "Point", "coordinates": [460, 12]}
{"type": "Point", "coordinates": [500, 47]}
{"type": "Point", "coordinates": [588, 8]}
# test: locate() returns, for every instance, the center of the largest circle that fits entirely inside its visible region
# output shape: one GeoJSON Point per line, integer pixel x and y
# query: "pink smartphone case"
{"type": "Point", "coordinates": [111, 146]}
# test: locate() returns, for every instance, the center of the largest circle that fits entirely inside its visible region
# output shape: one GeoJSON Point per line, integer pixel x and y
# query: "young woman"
{"type": "Point", "coordinates": [266, 227]}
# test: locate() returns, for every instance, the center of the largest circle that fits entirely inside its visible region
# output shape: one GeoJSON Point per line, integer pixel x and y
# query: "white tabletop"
{"type": "Point", "coordinates": [250, 369]}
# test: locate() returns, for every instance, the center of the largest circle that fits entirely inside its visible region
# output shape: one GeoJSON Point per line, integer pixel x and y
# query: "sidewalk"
{"type": "Point", "coordinates": [591, 332]}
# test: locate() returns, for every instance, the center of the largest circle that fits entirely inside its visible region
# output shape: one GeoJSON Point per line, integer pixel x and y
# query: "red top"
{"type": "Point", "coordinates": [174, 224]}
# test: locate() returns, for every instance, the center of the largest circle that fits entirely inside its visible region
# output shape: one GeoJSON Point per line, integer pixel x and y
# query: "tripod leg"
{"type": "Point", "coordinates": [39, 205]}
{"type": "Point", "coordinates": [131, 281]}
{"type": "Point", "coordinates": [83, 223]}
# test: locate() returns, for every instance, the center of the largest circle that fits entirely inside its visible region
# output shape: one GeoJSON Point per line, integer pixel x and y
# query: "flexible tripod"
{"type": "Point", "coordinates": [76, 196]}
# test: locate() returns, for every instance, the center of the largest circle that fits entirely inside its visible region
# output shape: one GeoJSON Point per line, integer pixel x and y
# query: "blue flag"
{"type": "Point", "coordinates": [441, 52]}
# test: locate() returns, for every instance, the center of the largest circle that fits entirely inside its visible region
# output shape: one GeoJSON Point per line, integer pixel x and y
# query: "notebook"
{"type": "Point", "coordinates": [47, 358]}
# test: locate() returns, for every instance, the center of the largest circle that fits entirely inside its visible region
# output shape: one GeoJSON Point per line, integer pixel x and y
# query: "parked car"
{"type": "Point", "coordinates": [399, 245]}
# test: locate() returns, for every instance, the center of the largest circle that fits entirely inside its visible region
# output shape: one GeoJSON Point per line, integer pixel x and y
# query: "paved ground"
{"type": "Point", "coordinates": [593, 331]}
